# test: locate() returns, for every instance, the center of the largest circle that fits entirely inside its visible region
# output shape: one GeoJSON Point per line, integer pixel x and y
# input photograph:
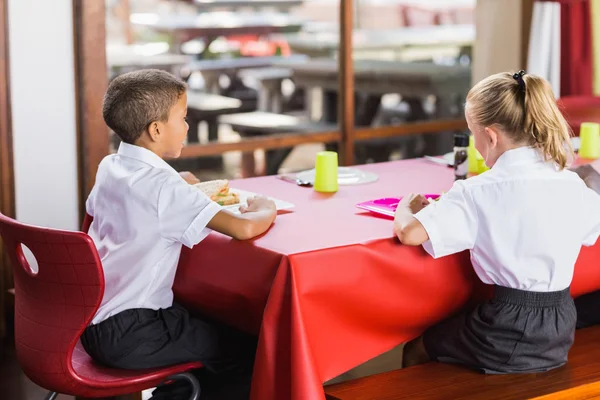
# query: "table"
{"type": "Point", "coordinates": [270, 79]}
{"type": "Point", "coordinates": [283, 5]}
{"type": "Point", "coordinates": [219, 23]}
{"type": "Point", "coordinates": [208, 107]}
{"type": "Point", "coordinates": [329, 287]}
{"type": "Point", "coordinates": [127, 58]}
{"type": "Point", "coordinates": [399, 41]}
{"type": "Point", "coordinates": [212, 69]}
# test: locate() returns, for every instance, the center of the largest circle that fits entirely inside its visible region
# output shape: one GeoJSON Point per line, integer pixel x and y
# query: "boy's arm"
{"type": "Point", "coordinates": [255, 220]}
{"type": "Point", "coordinates": [185, 213]}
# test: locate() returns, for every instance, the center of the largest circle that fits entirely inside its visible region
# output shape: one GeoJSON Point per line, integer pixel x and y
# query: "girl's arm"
{"type": "Point", "coordinates": [406, 227]}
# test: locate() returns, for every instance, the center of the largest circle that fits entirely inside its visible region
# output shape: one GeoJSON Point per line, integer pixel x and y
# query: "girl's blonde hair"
{"type": "Point", "coordinates": [524, 108]}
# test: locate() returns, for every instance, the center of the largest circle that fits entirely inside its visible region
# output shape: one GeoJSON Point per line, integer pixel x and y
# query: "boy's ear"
{"type": "Point", "coordinates": [154, 131]}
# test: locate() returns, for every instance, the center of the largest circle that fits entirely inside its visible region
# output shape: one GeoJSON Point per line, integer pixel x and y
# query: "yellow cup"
{"type": "Point", "coordinates": [326, 172]}
{"type": "Point", "coordinates": [590, 140]}
{"type": "Point", "coordinates": [481, 167]}
{"type": "Point", "coordinates": [472, 157]}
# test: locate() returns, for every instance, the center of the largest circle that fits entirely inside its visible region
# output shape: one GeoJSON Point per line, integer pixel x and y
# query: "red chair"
{"type": "Point", "coordinates": [53, 305]}
{"type": "Point", "coordinates": [579, 109]}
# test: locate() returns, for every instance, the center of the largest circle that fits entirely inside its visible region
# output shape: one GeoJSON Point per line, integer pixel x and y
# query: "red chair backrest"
{"type": "Point", "coordinates": [54, 305]}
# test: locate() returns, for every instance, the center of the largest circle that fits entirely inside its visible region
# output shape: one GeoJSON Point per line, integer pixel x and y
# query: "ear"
{"type": "Point", "coordinates": [154, 130]}
{"type": "Point", "coordinates": [491, 135]}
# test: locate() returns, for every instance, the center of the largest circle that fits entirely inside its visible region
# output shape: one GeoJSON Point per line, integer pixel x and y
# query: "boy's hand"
{"type": "Point", "coordinates": [258, 204]}
{"type": "Point", "coordinates": [189, 177]}
{"type": "Point", "coordinates": [414, 202]}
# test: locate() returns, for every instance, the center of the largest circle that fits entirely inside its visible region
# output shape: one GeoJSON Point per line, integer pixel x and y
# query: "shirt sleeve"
{"type": "Point", "coordinates": [89, 203]}
{"type": "Point", "coordinates": [591, 216]}
{"type": "Point", "coordinates": [451, 223]}
{"type": "Point", "coordinates": [184, 212]}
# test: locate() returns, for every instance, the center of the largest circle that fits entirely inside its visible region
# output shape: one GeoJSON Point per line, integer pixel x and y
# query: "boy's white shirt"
{"type": "Point", "coordinates": [143, 213]}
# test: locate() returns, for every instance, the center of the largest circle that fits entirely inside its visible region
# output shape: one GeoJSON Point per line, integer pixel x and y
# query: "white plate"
{"type": "Point", "coordinates": [245, 195]}
{"type": "Point", "coordinates": [346, 176]}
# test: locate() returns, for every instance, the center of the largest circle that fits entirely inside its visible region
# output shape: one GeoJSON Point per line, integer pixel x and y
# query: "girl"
{"type": "Point", "coordinates": [524, 222]}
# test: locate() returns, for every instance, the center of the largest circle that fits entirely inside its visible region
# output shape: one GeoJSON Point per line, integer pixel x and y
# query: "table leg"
{"type": "Point", "coordinates": [211, 82]}
{"type": "Point", "coordinates": [277, 98]}
{"type": "Point", "coordinates": [264, 98]}
{"type": "Point", "coordinates": [274, 159]}
{"type": "Point", "coordinates": [313, 101]}
{"type": "Point", "coordinates": [213, 129]}
{"type": "Point", "coordinates": [193, 135]}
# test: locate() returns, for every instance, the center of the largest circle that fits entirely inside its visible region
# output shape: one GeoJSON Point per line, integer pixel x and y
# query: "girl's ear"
{"type": "Point", "coordinates": [491, 135]}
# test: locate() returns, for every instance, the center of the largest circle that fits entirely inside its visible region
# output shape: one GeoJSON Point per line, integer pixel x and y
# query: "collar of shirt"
{"type": "Point", "coordinates": [518, 157]}
{"type": "Point", "coordinates": [144, 155]}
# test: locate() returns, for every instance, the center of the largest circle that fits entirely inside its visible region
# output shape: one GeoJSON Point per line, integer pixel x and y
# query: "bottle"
{"type": "Point", "coordinates": [461, 166]}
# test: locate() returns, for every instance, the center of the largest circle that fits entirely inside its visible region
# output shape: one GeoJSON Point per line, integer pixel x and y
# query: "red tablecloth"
{"type": "Point", "coordinates": [328, 287]}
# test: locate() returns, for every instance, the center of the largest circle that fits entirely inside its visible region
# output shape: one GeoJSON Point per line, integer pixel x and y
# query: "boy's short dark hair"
{"type": "Point", "coordinates": [136, 99]}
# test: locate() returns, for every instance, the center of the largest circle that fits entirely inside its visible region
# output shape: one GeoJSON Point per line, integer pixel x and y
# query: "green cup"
{"type": "Point", "coordinates": [589, 134]}
{"type": "Point", "coordinates": [326, 172]}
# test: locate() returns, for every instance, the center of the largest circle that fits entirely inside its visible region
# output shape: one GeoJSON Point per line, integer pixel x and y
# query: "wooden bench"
{"type": "Point", "coordinates": [259, 123]}
{"type": "Point", "coordinates": [579, 379]}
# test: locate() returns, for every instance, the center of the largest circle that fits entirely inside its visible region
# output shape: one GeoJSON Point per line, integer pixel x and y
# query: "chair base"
{"type": "Point", "coordinates": [185, 376]}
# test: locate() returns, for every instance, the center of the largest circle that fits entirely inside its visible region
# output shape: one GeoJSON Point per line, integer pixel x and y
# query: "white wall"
{"type": "Point", "coordinates": [43, 111]}
{"type": "Point", "coordinates": [498, 39]}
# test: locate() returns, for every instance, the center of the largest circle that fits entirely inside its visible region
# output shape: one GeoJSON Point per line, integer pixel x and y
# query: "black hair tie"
{"type": "Point", "coordinates": [519, 78]}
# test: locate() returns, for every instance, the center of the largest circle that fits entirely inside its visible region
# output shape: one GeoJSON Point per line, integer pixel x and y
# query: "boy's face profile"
{"type": "Point", "coordinates": [168, 136]}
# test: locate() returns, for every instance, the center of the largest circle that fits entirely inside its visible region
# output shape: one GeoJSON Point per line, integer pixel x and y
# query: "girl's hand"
{"type": "Point", "coordinates": [414, 202]}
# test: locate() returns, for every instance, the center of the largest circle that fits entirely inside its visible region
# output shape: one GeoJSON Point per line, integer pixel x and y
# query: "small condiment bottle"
{"type": "Point", "coordinates": [461, 166]}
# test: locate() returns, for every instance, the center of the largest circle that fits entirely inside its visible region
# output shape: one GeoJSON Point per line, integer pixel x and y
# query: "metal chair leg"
{"type": "Point", "coordinates": [186, 376]}
{"type": "Point", "coordinates": [51, 396]}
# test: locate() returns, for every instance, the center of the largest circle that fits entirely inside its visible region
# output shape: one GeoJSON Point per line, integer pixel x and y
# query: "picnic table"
{"type": "Point", "coordinates": [211, 70]}
{"type": "Point", "coordinates": [219, 23]}
{"type": "Point", "coordinates": [270, 79]}
{"type": "Point", "coordinates": [405, 43]}
{"type": "Point", "coordinates": [413, 81]}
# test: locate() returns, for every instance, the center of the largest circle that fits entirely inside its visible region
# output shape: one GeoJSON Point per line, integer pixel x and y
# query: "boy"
{"type": "Point", "coordinates": [143, 212]}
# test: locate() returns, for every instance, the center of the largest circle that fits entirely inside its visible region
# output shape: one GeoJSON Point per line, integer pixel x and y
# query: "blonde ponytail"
{"type": "Point", "coordinates": [522, 106]}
